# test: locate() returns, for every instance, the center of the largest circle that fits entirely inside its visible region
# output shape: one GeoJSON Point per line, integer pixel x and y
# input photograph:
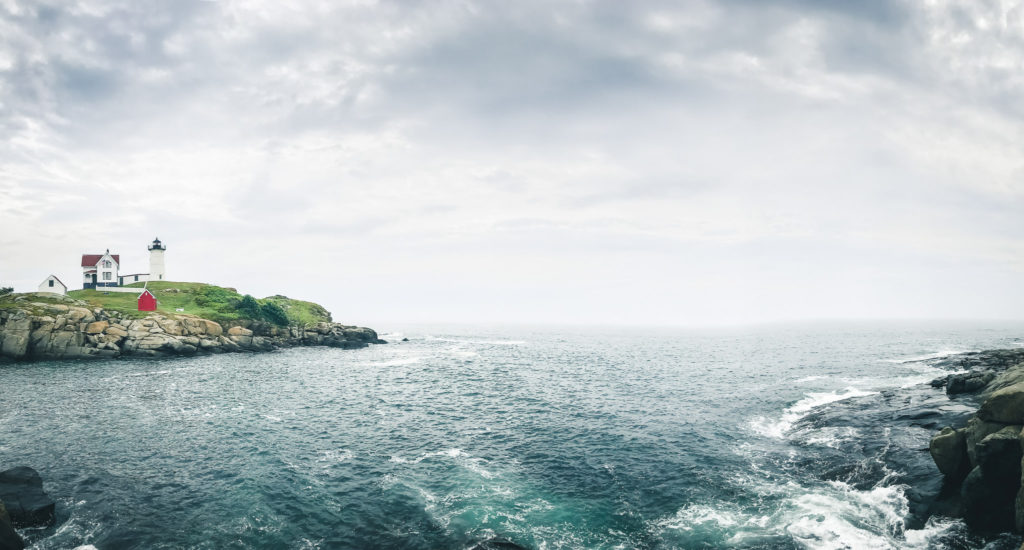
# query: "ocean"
{"type": "Point", "coordinates": [782, 436]}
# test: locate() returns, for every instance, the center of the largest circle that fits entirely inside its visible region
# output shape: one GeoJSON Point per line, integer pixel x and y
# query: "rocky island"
{"type": "Point", "coordinates": [191, 318]}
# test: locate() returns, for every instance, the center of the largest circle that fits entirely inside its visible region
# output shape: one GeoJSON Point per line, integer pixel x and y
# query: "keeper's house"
{"type": "Point", "coordinates": [100, 270]}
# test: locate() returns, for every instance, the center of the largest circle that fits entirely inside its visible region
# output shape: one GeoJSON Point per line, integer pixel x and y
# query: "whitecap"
{"type": "Point", "coordinates": [482, 342]}
{"type": "Point", "coordinates": [830, 516]}
{"type": "Point", "coordinates": [461, 352]}
{"type": "Point", "coordinates": [832, 436]}
{"type": "Point", "coordinates": [693, 516]}
{"type": "Point", "coordinates": [778, 428]}
{"type": "Point", "coordinates": [393, 362]}
{"type": "Point", "coordinates": [335, 456]}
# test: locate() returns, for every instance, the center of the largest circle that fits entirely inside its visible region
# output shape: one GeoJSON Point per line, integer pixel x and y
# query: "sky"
{"type": "Point", "coordinates": [582, 162]}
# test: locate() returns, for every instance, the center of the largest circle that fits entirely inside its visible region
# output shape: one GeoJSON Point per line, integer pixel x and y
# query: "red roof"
{"type": "Point", "coordinates": [89, 260]}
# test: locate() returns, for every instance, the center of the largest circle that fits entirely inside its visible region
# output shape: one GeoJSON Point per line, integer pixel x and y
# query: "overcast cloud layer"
{"type": "Point", "coordinates": [608, 162]}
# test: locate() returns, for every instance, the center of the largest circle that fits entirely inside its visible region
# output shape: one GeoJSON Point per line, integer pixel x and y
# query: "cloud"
{"type": "Point", "coordinates": [525, 150]}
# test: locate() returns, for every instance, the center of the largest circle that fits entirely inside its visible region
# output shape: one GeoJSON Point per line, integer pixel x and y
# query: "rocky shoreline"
{"type": "Point", "coordinates": [71, 329]}
{"type": "Point", "coordinates": [981, 460]}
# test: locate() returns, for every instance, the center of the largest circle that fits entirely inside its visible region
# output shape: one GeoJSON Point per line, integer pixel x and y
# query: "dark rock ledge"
{"type": "Point", "coordinates": [981, 461]}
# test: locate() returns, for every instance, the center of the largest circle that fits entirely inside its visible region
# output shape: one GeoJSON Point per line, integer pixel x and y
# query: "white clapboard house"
{"type": "Point", "coordinates": [53, 284]}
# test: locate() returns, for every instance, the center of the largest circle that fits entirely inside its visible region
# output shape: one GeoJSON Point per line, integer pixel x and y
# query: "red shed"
{"type": "Point", "coordinates": [147, 302]}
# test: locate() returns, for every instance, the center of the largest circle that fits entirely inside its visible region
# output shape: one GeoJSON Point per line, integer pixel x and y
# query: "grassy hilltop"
{"type": "Point", "coordinates": [212, 302]}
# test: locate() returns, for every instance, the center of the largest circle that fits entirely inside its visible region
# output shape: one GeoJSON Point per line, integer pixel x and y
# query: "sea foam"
{"type": "Point", "coordinates": [777, 428]}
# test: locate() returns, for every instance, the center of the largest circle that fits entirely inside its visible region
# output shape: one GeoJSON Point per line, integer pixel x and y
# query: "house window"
{"type": "Point", "coordinates": [136, 277]}
{"type": "Point", "coordinates": [106, 263]}
{"type": "Point", "coordinates": [51, 282]}
{"type": "Point", "coordinates": [106, 275]}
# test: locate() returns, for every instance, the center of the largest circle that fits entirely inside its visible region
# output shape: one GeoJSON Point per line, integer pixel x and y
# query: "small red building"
{"type": "Point", "coordinates": [147, 302]}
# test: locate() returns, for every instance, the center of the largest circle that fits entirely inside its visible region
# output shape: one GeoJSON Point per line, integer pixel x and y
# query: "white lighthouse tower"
{"type": "Point", "coordinates": [156, 260]}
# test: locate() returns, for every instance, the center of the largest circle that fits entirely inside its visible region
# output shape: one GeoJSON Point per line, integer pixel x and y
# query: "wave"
{"type": "Point", "coordinates": [832, 436]}
{"type": "Point", "coordinates": [929, 356]}
{"type": "Point", "coordinates": [394, 362]}
{"type": "Point", "coordinates": [460, 352]}
{"type": "Point", "coordinates": [472, 464]}
{"type": "Point", "coordinates": [832, 516]}
{"type": "Point", "coordinates": [777, 428]}
{"type": "Point", "coordinates": [335, 456]}
{"type": "Point", "coordinates": [483, 342]}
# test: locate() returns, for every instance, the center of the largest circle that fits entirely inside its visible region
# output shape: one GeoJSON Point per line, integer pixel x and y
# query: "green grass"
{"type": "Point", "coordinates": [9, 301]}
{"type": "Point", "coordinates": [207, 301]}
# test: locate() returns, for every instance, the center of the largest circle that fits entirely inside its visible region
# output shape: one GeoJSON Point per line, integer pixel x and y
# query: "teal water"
{"type": "Point", "coordinates": [771, 437]}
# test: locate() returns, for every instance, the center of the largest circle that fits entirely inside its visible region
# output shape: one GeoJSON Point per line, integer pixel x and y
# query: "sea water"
{"type": "Point", "coordinates": [787, 436]}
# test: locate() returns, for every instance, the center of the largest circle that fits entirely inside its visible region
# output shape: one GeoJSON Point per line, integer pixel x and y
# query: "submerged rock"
{"type": "Point", "coordinates": [21, 490]}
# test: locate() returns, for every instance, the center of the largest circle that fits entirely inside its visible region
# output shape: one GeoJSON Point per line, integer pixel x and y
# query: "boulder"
{"type": "Point", "coordinates": [991, 490]}
{"type": "Point", "coordinates": [969, 382]}
{"type": "Point", "coordinates": [80, 315]}
{"type": "Point", "coordinates": [9, 539]}
{"type": "Point", "coordinates": [17, 332]}
{"type": "Point", "coordinates": [987, 506]}
{"type": "Point", "coordinates": [949, 451]}
{"type": "Point", "coordinates": [239, 331]}
{"type": "Point", "coordinates": [227, 344]}
{"type": "Point", "coordinates": [241, 340]}
{"type": "Point", "coordinates": [212, 328]}
{"type": "Point", "coordinates": [170, 326]}
{"type": "Point", "coordinates": [208, 344]}
{"type": "Point", "coordinates": [1010, 377]}
{"type": "Point", "coordinates": [21, 490]}
{"type": "Point", "coordinates": [1004, 405]}
{"type": "Point", "coordinates": [999, 455]}
{"type": "Point", "coordinates": [96, 327]}
{"type": "Point", "coordinates": [40, 337]}
{"type": "Point", "coordinates": [975, 431]}
{"type": "Point", "coordinates": [116, 331]}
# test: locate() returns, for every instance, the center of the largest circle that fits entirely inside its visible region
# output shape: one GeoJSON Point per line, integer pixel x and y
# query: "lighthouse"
{"type": "Point", "coordinates": [156, 260]}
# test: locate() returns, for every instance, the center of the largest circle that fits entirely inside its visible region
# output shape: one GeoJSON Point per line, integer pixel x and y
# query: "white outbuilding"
{"type": "Point", "coordinates": [53, 284]}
